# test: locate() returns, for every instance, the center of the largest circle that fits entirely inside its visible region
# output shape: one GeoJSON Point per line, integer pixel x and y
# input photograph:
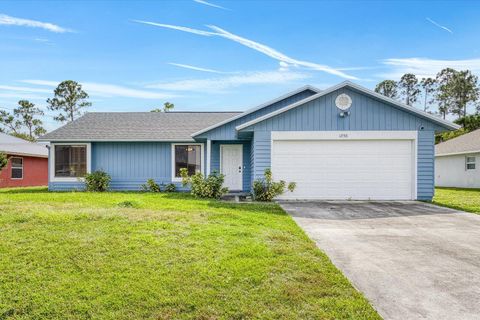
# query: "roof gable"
{"type": "Point", "coordinates": [467, 143]}
{"type": "Point", "coordinates": [438, 123]}
{"type": "Point", "coordinates": [263, 108]}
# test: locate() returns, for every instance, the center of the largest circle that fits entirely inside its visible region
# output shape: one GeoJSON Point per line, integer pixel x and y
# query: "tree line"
{"type": "Point", "coordinates": [68, 103]}
{"type": "Point", "coordinates": [450, 92]}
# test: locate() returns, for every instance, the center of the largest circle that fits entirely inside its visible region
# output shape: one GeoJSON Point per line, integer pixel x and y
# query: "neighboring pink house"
{"type": "Point", "coordinates": [27, 163]}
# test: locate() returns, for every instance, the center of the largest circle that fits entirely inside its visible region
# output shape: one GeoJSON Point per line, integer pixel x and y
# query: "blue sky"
{"type": "Point", "coordinates": [223, 55]}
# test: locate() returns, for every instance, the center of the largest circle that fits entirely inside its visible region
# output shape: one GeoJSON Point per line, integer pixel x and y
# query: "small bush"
{"type": "Point", "coordinates": [266, 189]}
{"type": "Point", "coordinates": [150, 186]}
{"type": "Point", "coordinates": [445, 136]}
{"type": "Point", "coordinates": [128, 204]}
{"type": "Point", "coordinates": [97, 181]}
{"type": "Point", "coordinates": [170, 188]}
{"type": "Point", "coordinates": [210, 187]}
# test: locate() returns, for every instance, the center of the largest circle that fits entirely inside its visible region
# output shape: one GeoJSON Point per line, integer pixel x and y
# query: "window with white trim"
{"type": "Point", "coordinates": [17, 168]}
{"type": "Point", "coordinates": [70, 161]}
{"type": "Point", "coordinates": [470, 163]}
{"type": "Point", "coordinates": [188, 156]}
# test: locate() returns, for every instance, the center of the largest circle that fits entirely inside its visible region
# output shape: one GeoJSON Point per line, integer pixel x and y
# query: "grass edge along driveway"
{"type": "Point", "coordinates": [162, 256]}
{"type": "Point", "coordinates": [457, 198]}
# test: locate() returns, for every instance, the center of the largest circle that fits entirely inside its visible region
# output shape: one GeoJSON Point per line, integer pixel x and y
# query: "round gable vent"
{"type": "Point", "coordinates": [343, 101]}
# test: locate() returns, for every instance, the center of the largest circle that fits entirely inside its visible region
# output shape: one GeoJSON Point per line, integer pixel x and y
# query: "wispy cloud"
{"type": "Point", "coordinates": [425, 67]}
{"type": "Point", "coordinates": [107, 90]}
{"type": "Point", "coordinates": [283, 66]}
{"type": "Point", "coordinates": [17, 96]}
{"type": "Point", "coordinates": [438, 25]}
{"type": "Point", "coordinates": [272, 53]}
{"type": "Point", "coordinates": [13, 21]}
{"type": "Point", "coordinates": [16, 93]}
{"type": "Point", "coordinates": [357, 68]}
{"type": "Point", "coordinates": [210, 4]}
{"type": "Point", "coordinates": [185, 29]}
{"type": "Point", "coordinates": [23, 89]}
{"type": "Point", "coordinates": [43, 40]}
{"type": "Point", "coordinates": [187, 66]}
{"type": "Point", "coordinates": [219, 84]}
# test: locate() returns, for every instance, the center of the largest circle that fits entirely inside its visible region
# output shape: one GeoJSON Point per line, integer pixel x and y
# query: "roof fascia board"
{"type": "Point", "coordinates": [457, 153]}
{"type": "Point", "coordinates": [261, 106]}
{"type": "Point", "coordinates": [444, 123]}
{"type": "Point", "coordinates": [22, 154]}
{"type": "Point", "coordinates": [117, 140]}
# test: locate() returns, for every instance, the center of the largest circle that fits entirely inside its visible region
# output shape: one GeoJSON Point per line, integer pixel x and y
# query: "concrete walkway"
{"type": "Point", "coordinates": [411, 260]}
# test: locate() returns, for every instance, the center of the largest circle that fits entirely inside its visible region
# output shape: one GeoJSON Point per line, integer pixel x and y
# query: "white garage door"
{"type": "Point", "coordinates": [346, 169]}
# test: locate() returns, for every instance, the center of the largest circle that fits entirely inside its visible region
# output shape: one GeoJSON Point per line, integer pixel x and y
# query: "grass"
{"type": "Point", "coordinates": [456, 198]}
{"type": "Point", "coordinates": [162, 256]}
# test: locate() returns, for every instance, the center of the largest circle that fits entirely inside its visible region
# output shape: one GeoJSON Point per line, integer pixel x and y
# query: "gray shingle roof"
{"type": "Point", "coordinates": [16, 146]}
{"type": "Point", "coordinates": [466, 143]}
{"type": "Point", "coordinates": [136, 126]}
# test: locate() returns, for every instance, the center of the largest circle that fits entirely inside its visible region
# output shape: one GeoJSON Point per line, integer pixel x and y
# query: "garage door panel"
{"type": "Point", "coordinates": [353, 169]}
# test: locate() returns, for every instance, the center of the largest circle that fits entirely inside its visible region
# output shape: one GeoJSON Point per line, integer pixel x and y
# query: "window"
{"type": "Point", "coordinates": [187, 156]}
{"type": "Point", "coordinates": [470, 163]}
{"type": "Point", "coordinates": [70, 161]}
{"type": "Point", "coordinates": [17, 168]}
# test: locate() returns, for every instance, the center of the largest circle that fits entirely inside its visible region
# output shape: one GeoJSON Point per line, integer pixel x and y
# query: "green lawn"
{"type": "Point", "coordinates": [162, 256]}
{"type": "Point", "coordinates": [461, 199]}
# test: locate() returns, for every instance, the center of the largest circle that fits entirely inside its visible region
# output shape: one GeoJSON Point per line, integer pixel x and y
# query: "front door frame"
{"type": "Point", "coordinates": [240, 146]}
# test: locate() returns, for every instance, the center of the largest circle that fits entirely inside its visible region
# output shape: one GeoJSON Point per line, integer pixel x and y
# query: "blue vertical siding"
{"type": "Point", "coordinates": [425, 165]}
{"type": "Point", "coordinates": [131, 164]}
{"type": "Point", "coordinates": [252, 161]}
{"type": "Point", "coordinates": [66, 186]}
{"type": "Point", "coordinates": [215, 160]}
{"type": "Point", "coordinates": [262, 150]}
{"type": "Point", "coordinates": [228, 132]}
{"type": "Point", "coordinates": [366, 114]}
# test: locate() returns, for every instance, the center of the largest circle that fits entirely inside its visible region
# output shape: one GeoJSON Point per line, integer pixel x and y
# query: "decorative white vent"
{"type": "Point", "coordinates": [343, 101]}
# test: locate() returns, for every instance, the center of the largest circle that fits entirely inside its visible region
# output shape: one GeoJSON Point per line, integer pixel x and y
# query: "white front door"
{"type": "Point", "coordinates": [231, 165]}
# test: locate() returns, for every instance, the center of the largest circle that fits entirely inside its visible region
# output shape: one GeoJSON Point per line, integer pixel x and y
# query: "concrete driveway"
{"type": "Point", "coordinates": [412, 260]}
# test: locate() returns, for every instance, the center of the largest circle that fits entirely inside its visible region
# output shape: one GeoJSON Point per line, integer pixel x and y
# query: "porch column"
{"type": "Point", "coordinates": [209, 149]}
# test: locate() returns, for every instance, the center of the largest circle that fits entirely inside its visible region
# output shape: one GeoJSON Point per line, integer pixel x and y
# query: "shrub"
{"type": "Point", "coordinates": [210, 187]}
{"type": "Point", "coordinates": [150, 186]}
{"type": "Point", "coordinates": [445, 136]}
{"type": "Point", "coordinates": [266, 189]}
{"type": "Point", "coordinates": [97, 181]}
{"type": "Point", "coordinates": [170, 188]}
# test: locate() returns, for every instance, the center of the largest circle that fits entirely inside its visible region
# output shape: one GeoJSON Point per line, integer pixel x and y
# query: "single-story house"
{"type": "Point", "coordinates": [457, 161]}
{"type": "Point", "coordinates": [345, 142]}
{"type": "Point", "coordinates": [27, 163]}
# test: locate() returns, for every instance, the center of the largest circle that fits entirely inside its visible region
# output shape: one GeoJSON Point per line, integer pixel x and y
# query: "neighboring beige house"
{"type": "Point", "coordinates": [457, 162]}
